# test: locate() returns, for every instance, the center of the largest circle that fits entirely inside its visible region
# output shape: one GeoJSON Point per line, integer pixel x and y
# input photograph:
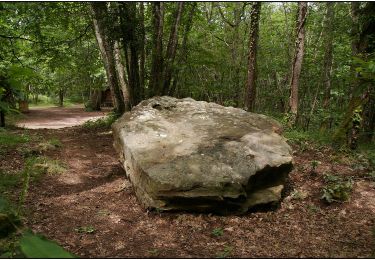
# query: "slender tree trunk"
{"type": "Point", "coordinates": [328, 31]}
{"type": "Point", "coordinates": [297, 62]}
{"type": "Point", "coordinates": [142, 50]}
{"type": "Point", "coordinates": [157, 52]}
{"type": "Point", "coordinates": [184, 48]}
{"type": "Point", "coordinates": [171, 50]}
{"type": "Point", "coordinates": [121, 76]}
{"type": "Point", "coordinates": [354, 33]}
{"type": "Point", "coordinates": [2, 118]}
{"type": "Point", "coordinates": [106, 46]}
{"type": "Point", "coordinates": [61, 97]}
{"type": "Point", "coordinates": [250, 87]}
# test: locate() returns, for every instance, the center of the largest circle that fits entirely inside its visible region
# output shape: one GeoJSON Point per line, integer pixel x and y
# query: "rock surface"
{"type": "Point", "coordinates": [193, 155]}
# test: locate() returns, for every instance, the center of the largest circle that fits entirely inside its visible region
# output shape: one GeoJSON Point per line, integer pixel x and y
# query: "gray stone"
{"type": "Point", "coordinates": [193, 155]}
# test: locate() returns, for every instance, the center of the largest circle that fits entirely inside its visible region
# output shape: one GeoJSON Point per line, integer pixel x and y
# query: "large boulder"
{"type": "Point", "coordinates": [193, 155]}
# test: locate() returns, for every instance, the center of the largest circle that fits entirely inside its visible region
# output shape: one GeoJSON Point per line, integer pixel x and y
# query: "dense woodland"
{"type": "Point", "coordinates": [310, 64]}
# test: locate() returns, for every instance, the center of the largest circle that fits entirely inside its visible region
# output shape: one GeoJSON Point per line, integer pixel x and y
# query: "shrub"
{"type": "Point", "coordinates": [104, 122]}
{"type": "Point", "coordinates": [336, 189]}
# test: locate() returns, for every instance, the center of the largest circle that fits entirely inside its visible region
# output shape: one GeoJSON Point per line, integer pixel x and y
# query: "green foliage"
{"type": "Point", "coordinates": [9, 140]}
{"type": "Point", "coordinates": [336, 189]}
{"type": "Point", "coordinates": [85, 229]}
{"type": "Point", "coordinates": [314, 165]}
{"type": "Point", "coordinates": [300, 137]}
{"type": "Point", "coordinates": [9, 218]}
{"type": "Point", "coordinates": [217, 232]}
{"type": "Point", "coordinates": [36, 246]}
{"type": "Point", "coordinates": [313, 208]}
{"type": "Point", "coordinates": [104, 122]}
{"type": "Point", "coordinates": [365, 68]}
{"type": "Point", "coordinates": [154, 252]}
{"type": "Point", "coordinates": [299, 195]}
{"type": "Point", "coordinates": [8, 181]}
{"type": "Point", "coordinates": [226, 252]}
{"type": "Point", "coordinates": [55, 142]}
{"type": "Point", "coordinates": [45, 165]}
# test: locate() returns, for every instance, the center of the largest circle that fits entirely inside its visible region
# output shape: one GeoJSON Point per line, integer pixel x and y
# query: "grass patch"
{"type": "Point", "coordinates": [10, 140]}
{"type": "Point", "coordinates": [226, 252]}
{"type": "Point", "coordinates": [46, 101]}
{"type": "Point", "coordinates": [101, 123]}
{"type": "Point", "coordinates": [85, 229]}
{"type": "Point", "coordinates": [44, 165]}
{"type": "Point", "coordinates": [8, 181]}
{"type": "Point", "coordinates": [55, 142]}
{"type": "Point", "coordinates": [299, 137]}
{"type": "Point", "coordinates": [217, 232]}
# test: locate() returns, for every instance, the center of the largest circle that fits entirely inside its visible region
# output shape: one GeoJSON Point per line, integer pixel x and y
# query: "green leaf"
{"type": "Point", "coordinates": [34, 246]}
{"type": "Point", "coordinates": [85, 229]}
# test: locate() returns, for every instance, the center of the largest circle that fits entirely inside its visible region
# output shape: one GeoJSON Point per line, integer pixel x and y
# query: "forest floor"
{"type": "Point", "coordinates": [89, 207]}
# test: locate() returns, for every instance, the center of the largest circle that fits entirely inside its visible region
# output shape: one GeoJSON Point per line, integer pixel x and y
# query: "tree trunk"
{"type": "Point", "coordinates": [363, 46]}
{"type": "Point", "coordinates": [95, 99]}
{"type": "Point", "coordinates": [297, 62]}
{"type": "Point", "coordinates": [142, 50]}
{"type": "Point", "coordinates": [184, 48]}
{"type": "Point", "coordinates": [157, 52]}
{"type": "Point", "coordinates": [121, 76]}
{"type": "Point", "coordinates": [106, 46]}
{"type": "Point", "coordinates": [2, 118]}
{"type": "Point", "coordinates": [61, 97]}
{"type": "Point", "coordinates": [328, 31]}
{"type": "Point", "coordinates": [171, 50]}
{"type": "Point", "coordinates": [354, 33]}
{"type": "Point", "coordinates": [129, 23]}
{"type": "Point", "coordinates": [250, 87]}
{"type": "Point", "coordinates": [361, 106]}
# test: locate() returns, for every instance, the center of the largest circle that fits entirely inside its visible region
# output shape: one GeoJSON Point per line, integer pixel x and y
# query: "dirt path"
{"type": "Point", "coordinates": [57, 117]}
{"type": "Point", "coordinates": [94, 193]}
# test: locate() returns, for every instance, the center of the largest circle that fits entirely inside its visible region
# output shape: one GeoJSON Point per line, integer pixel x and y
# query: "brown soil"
{"type": "Point", "coordinates": [94, 192]}
{"type": "Point", "coordinates": [57, 117]}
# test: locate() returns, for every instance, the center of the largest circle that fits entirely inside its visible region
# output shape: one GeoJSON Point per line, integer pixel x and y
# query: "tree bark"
{"type": "Point", "coordinates": [129, 25]}
{"type": "Point", "coordinates": [122, 77]}
{"type": "Point", "coordinates": [354, 33]}
{"type": "Point", "coordinates": [359, 115]}
{"type": "Point", "coordinates": [142, 50]}
{"type": "Point", "coordinates": [95, 99]}
{"type": "Point", "coordinates": [61, 97]}
{"type": "Point", "coordinates": [171, 49]}
{"type": "Point", "coordinates": [328, 31]}
{"type": "Point", "coordinates": [106, 46]}
{"type": "Point", "coordinates": [250, 87]}
{"type": "Point", "coordinates": [2, 118]}
{"type": "Point", "coordinates": [297, 62]}
{"type": "Point", "coordinates": [184, 49]}
{"type": "Point", "coordinates": [157, 52]}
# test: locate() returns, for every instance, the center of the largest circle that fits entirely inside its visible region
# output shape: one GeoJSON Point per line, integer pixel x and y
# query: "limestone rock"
{"type": "Point", "coordinates": [193, 155]}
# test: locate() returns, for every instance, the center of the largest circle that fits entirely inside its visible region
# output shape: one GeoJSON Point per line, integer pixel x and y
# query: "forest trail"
{"type": "Point", "coordinates": [91, 210]}
{"type": "Point", "coordinates": [57, 117]}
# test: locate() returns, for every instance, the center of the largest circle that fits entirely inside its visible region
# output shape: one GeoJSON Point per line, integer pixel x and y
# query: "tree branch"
{"type": "Point", "coordinates": [223, 17]}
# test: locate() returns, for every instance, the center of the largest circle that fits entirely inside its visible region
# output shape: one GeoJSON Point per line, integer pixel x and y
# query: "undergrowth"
{"type": "Point", "coordinates": [9, 140]}
{"type": "Point", "coordinates": [15, 240]}
{"type": "Point", "coordinates": [101, 123]}
{"type": "Point", "coordinates": [337, 189]}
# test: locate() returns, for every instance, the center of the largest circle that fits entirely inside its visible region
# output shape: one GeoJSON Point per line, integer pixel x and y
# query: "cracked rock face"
{"type": "Point", "coordinates": [192, 155]}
